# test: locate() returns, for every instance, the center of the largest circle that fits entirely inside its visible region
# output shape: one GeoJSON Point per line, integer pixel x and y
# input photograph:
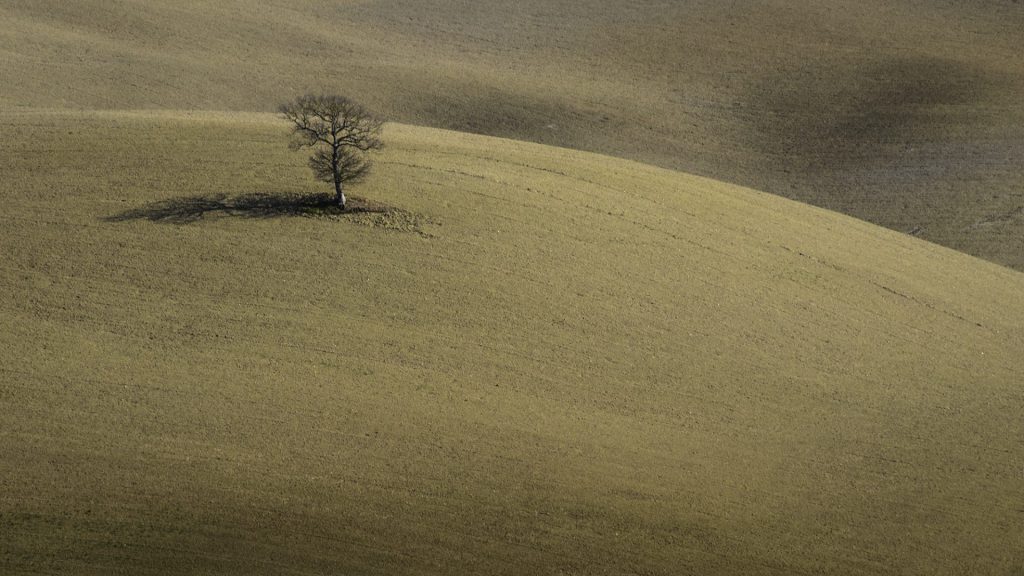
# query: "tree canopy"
{"type": "Point", "coordinates": [340, 131]}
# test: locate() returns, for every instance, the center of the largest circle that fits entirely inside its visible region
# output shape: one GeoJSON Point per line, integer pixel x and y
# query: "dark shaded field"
{"type": "Point", "coordinates": [906, 113]}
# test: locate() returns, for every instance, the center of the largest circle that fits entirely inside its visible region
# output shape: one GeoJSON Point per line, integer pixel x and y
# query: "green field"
{"type": "Point", "coordinates": [532, 360]}
{"type": "Point", "coordinates": [905, 113]}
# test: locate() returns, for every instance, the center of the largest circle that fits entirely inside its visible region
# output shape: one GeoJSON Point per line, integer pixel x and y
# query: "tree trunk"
{"type": "Point", "coordinates": [339, 192]}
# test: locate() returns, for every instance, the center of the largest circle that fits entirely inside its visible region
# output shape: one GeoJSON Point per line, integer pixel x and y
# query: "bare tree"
{"type": "Point", "coordinates": [340, 132]}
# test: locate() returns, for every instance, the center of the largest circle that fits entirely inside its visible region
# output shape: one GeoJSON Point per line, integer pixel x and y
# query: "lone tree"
{"type": "Point", "coordinates": [340, 132]}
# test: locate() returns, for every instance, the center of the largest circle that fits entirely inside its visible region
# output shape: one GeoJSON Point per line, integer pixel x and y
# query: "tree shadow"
{"type": "Point", "coordinates": [188, 209]}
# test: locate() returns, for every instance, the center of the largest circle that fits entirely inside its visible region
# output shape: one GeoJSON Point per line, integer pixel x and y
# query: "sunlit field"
{"type": "Point", "coordinates": [507, 358]}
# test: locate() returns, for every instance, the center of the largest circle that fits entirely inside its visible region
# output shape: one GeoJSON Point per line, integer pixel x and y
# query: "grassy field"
{"type": "Point", "coordinates": [533, 361]}
{"type": "Point", "coordinates": [906, 113]}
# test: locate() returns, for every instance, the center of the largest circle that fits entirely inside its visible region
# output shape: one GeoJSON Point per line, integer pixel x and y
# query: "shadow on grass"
{"type": "Point", "coordinates": [190, 209]}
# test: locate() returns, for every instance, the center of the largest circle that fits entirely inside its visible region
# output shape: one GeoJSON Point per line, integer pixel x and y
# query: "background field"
{"type": "Point", "coordinates": [549, 362]}
{"type": "Point", "coordinates": [906, 113]}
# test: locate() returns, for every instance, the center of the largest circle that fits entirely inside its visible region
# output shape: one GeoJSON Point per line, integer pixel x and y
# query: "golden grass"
{"type": "Point", "coordinates": [582, 365]}
{"type": "Point", "coordinates": [906, 113]}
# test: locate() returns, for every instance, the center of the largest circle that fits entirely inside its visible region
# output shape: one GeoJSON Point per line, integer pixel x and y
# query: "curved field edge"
{"type": "Point", "coordinates": [583, 365]}
{"type": "Point", "coordinates": [814, 100]}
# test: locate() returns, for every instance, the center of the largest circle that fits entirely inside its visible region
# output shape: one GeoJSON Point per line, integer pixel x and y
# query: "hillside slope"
{"type": "Point", "coordinates": [906, 113]}
{"type": "Point", "coordinates": [539, 361]}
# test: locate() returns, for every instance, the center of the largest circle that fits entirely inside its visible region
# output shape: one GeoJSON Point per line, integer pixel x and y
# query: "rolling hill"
{"type": "Point", "coordinates": [905, 113]}
{"type": "Point", "coordinates": [515, 359]}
